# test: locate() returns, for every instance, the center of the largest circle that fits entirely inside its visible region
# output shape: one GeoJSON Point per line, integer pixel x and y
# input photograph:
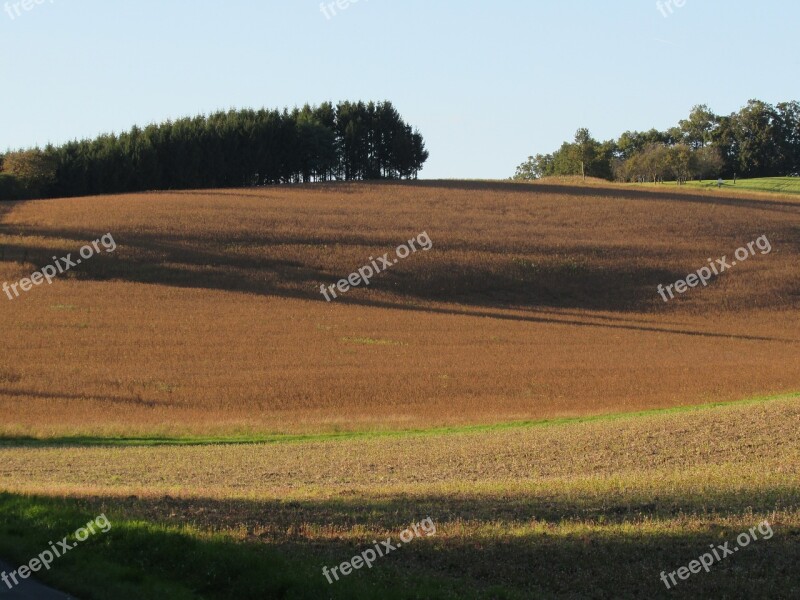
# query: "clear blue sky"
{"type": "Point", "coordinates": [487, 83]}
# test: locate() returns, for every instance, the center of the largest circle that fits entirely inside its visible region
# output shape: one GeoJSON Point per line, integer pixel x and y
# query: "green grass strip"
{"type": "Point", "coordinates": [355, 435]}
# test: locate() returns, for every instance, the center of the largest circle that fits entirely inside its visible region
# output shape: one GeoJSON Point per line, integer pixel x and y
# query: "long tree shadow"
{"type": "Point", "coordinates": [484, 547]}
{"type": "Point", "coordinates": [612, 192]}
{"type": "Point", "coordinates": [109, 398]}
{"type": "Point", "coordinates": [186, 262]}
{"type": "Point", "coordinates": [505, 289]}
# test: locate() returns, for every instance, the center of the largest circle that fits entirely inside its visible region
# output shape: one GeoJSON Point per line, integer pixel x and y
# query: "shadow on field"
{"type": "Point", "coordinates": [186, 262]}
{"type": "Point", "coordinates": [124, 400]}
{"type": "Point", "coordinates": [262, 192]}
{"type": "Point", "coordinates": [636, 193]}
{"type": "Point", "coordinates": [578, 277]}
{"type": "Point", "coordinates": [490, 547]}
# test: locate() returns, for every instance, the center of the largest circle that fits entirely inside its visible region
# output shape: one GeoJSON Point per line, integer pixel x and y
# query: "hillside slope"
{"type": "Point", "coordinates": [534, 301]}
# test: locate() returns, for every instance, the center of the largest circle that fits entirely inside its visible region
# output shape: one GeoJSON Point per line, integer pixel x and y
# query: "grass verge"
{"type": "Point", "coordinates": [21, 441]}
{"type": "Point", "coordinates": [770, 185]}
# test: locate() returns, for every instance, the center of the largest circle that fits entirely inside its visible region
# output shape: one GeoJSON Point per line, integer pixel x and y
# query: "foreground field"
{"type": "Point", "coordinates": [536, 301]}
{"type": "Point", "coordinates": [580, 510]}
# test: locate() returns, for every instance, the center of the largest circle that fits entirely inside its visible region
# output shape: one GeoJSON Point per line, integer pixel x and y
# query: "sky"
{"type": "Point", "coordinates": [486, 83]}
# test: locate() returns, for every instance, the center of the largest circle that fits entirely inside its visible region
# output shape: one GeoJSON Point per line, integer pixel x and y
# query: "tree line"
{"type": "Point", "coordinates": [237, 148]}
{"type": "Point", "coordinates": [760, 140]}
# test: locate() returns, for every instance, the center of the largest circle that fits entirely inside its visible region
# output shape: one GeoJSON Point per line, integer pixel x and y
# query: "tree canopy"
{"type": "Point", "coordinates": [760, 140]}
{"type": "Point", "coordinates": [237, 148]}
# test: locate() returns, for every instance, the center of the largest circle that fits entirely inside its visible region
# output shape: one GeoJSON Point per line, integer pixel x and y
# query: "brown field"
{"type": "Point", "coordinates": [536, 301]}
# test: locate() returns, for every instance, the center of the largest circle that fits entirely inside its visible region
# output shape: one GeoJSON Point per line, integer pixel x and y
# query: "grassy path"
{"type": "Point", "coordinates": [10, 441]}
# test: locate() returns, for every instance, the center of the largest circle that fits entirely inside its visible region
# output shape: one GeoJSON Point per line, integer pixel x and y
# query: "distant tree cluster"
{"type": "Point", "coordinates": [659, 162]}
{"type": "Point", "coordinates": [349, 141]}
{"type": "Point", "coordinates": [760, 140]}
{"type": "Point", "coordinates": [27, 173]}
